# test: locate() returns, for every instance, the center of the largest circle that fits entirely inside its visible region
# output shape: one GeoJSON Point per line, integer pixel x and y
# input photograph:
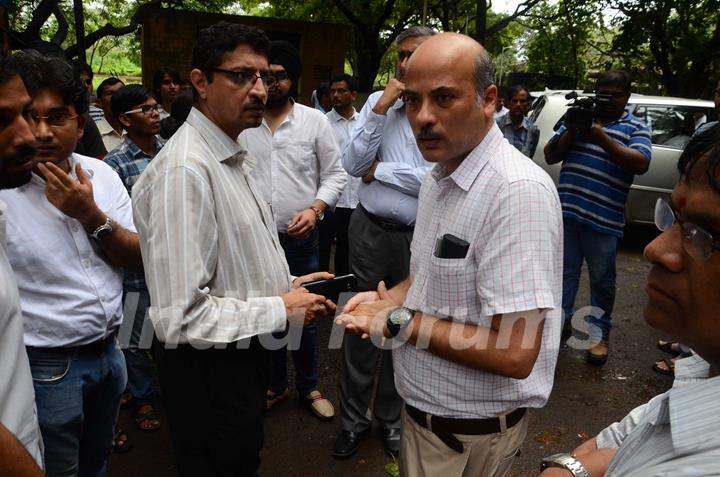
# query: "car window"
{"type": "Point", "coordinates": [538, 105]}
{"type": "Point", "coordinates": [672, 126]}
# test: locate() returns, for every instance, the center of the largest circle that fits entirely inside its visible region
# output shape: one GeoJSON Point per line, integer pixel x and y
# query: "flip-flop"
{"type": "Point", "coordinates": [668, 371]}
{"type": "Point", "coordinates": [121, 444]}
{"type": "Point", "coordinates": [669, 347]}
{"type": "Point", "coordinates": [145, 417]}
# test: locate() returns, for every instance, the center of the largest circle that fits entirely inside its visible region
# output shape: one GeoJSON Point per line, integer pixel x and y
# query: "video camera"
{"type": "Point", "coordinates": [583, 109]}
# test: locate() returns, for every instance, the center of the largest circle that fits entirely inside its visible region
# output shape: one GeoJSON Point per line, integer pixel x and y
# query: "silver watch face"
{"type": "Point", "coordinates": [401, 316]}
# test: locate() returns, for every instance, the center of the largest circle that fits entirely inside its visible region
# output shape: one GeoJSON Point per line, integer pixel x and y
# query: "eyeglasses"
{"type": "Point", "coordinates": [245, 78]}
{"type": "Point", "coordinates": [146, 109]}
{"type": "Point", "coordinates": [55, 120]}
{"type": "Point", "coordinates": [697, 242]}
{"type": "Point", "coordinates": [279, 76]}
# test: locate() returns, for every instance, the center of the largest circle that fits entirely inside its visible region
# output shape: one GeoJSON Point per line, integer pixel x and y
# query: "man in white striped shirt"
{"type": "Point", "coordinates": [218, 280]}
{"type": "Point", "coordinates": [678, 432]}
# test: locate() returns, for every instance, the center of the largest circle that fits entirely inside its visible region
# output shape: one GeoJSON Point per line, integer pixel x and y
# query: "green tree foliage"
{"type": "Point", "coordinates": [679, 40]}
{"type": "Point", "coordinates": [559, 39]}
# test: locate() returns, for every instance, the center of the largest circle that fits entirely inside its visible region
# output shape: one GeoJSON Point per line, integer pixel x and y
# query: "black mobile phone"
{"type": "Point", "coordinates": [332, 288]}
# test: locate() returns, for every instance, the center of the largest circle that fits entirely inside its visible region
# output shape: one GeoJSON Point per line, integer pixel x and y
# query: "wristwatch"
{"type": "Point", "coordinates": [318, 213]}
{"type": "Point", "coordinates": [398, 318]}
{"type": "Point", "coordinates": [565, 461]}
{"type": "Point", "coordinates": [103, 231]}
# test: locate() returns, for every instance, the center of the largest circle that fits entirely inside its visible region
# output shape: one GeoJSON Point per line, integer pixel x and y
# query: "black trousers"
{"type": "Point", "coordinates": [215, 401]}
{"type": "Point", "coordinates": [335, 226]}
{"type": "Point", "coordinates": [375, 254]}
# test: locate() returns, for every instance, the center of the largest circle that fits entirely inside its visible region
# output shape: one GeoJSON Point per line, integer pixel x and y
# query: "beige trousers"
{"type": "Point", "coordinates": [423, 454]}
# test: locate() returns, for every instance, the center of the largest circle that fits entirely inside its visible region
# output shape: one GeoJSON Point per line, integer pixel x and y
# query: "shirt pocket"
{"type": "Point", "coordinates": [301, 156]}
{"type": "Point", "coordinates": [451, 285]}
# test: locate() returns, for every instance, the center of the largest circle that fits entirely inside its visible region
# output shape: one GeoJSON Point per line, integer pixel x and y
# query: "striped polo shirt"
{"type": "Point", "coordinates": [593, 189]}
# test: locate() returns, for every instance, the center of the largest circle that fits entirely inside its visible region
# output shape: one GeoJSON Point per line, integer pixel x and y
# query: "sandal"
{"type": "Point", "coordinates": [665, 366]}
{"type": "Point", "coordinates": [120, 444]}
{"type": "Point", "coordinates": [125, 400]}
{"type": "Point", "coordinates": [273, 398]}
{"type": "Point", "coordinates": [669, 347]}
{"type": "Point", "coordinates": [147, 420]}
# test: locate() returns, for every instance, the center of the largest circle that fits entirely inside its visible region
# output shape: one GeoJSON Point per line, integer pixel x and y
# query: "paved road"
{"type": "Point", "coordinates": [584, 400]}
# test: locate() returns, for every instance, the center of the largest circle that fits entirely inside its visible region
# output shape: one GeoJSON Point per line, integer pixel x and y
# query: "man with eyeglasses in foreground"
{"type": "Point", "coordinates": [218, 279]}
{"type": "Point", "coordinates": [134, 107]}
{"type": "Point", "coordinates": [69, 235]}
{"type": "Point", "coordinates": [598, 167]}
{"type": "Point", "coordinates": [678, 432]}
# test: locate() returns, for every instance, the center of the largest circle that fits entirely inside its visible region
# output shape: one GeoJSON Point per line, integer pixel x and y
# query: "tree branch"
{"type": "Point", "coordinates": [62, 30]}
{"type": "Point", "coordinates": [520, 10]}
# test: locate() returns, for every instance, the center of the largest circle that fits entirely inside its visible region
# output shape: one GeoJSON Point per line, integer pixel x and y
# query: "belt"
{"type": "Point", "coordinates": [94, 347]}
{"type": "Point", "coordinates": [386, 224]}
{"type": "Point", "coordinates": [445, 427]}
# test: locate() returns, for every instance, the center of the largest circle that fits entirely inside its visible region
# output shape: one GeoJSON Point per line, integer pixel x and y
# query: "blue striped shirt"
{"type": "Point", "coordinates": [129, 161]}
{"type": "Point", "coordinates": [593, 189]}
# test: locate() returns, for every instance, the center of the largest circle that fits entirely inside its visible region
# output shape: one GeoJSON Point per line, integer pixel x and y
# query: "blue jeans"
{"type": "Point", "coordinates": [137, 345]}
{"type": "Point", "coordinates": [303, 257]}
{"type": "Point", "coordinates": [599, 251]}
{"type": "Point", "coordinates": [78, 398]}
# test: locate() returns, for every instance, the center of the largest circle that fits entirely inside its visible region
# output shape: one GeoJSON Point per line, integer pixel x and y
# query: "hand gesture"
{"type": "Point", "coordinates": [366, 313]}
{"type": "Point", "coordinates": [303, 307]}
{"type": "Point", "coordinates": [312, 277]}
{"type": "Point", "coordinates": [302, 224]}
{"type": "Point", "coordinates": [73, 198]}
{"type": "Point", "coordinates": [394, 89]}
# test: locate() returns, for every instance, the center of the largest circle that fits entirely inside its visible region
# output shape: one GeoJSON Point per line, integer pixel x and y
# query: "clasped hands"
{"type": "Point", "coordinates": [365, 314]}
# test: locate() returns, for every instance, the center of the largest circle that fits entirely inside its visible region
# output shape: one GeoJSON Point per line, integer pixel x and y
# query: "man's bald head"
{"type": "Point", "coordinates": [450, 97]}
{"type": "Point", "coordinates": [457, 51]}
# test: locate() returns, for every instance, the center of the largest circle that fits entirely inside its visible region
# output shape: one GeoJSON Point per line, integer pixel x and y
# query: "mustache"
{"type": "Point", "coordinates": [428, 133]}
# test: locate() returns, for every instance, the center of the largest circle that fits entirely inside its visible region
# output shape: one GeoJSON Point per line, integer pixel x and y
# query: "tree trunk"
{"type": "Point", "coordinates": [480, 21]}
{"type": "Point", "coordinates": [368, 65]}
{"type": "Point", "coordinates": [80, 29]}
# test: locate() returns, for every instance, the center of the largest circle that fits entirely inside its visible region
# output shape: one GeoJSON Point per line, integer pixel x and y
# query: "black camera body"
{"type": "Point", "coordinates": [582, 110]}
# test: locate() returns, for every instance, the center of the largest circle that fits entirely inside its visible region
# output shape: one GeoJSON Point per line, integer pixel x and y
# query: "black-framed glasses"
{"type": "Point", "coordinates": [279, 76]}
{"type": "Point", "coordinates": [245, 78]}
{"type": "Point", "coordinates": [55, 120]}
{"type": "Point", "coordinates": [146, 109]}
{"type": "Point", "coordinates": [697, 242]}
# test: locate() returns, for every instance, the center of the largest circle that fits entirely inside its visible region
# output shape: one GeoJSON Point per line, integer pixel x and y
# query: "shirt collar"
{"type": "Point", "coordinates": [104, 128]}
{"type": "Point", "coordinates": [335, 116]}
{"type": "Point", "coordinates": [505, 119]}
{"type": "Point", "coordinates": [223, 146]}
{"type": "Point", "coordinates": [694, 415]}
{"type": "Point", "coordinates": [470, 167]}
{"type": "Point", "coordinates": [135, 150]}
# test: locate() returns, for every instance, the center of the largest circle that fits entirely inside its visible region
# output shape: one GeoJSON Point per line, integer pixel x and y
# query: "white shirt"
{"type": "Point", "coordinates": [501, 113]}
{"type": "Point", "coordinates": [69, 294]}
{"type": "Point", "coordinates": [388, 138]}
{"type": "Point", "coordinates": [110, 138]}
{"type": "Point", "coordinates": [297, 165]}
{"type": "Point", "coordinates": [17, 396]}
{"type": "Point", "coordinates": [342, 128]}
{"type": "Point", "coordinates": [213, 262]}
{"type": "Point", "coordinates": [675, 433]}
{"type": "Point", "coordinates": [508, 210]}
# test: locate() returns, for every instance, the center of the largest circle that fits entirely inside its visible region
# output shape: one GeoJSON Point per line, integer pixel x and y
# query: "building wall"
{"type": "Point", "coordinates": [168, 37]}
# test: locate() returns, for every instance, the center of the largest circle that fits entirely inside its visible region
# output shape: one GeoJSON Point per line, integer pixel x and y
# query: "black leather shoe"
{"type": "Point", "coordinates": [391, 441]}
{"type": "Point", "coordinates": [346, 444]}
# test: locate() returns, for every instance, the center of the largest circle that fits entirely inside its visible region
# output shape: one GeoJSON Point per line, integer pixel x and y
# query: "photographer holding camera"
{"type": "Point", "coordinates": [599, 161]}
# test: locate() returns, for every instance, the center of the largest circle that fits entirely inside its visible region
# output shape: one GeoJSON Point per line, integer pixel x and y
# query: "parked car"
{"type": "Point", "coordinates": [672, 122]}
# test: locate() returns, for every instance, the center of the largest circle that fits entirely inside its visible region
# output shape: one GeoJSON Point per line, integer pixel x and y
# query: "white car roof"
{"type": "Point", "coordinates": [635, 98]}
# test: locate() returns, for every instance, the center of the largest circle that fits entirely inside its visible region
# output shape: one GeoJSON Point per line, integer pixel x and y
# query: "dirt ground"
{"type": "Point", "coordinates": [584, 399]}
